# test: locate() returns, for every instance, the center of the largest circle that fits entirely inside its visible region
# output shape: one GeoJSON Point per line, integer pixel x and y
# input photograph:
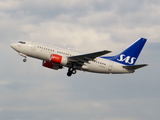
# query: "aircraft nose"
{"type": "Point", "coordinates": [14, 46]}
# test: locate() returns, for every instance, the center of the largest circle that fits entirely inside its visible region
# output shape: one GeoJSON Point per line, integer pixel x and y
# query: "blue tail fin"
{"type": "Point", "coordinates": [130, 55]}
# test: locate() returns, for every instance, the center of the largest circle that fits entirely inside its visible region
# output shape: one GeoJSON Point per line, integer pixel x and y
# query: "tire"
{"type": "Point", "coordinates": [24, 60]}
{"type": "Point", "coordinates": [74, 71]}
{"type": "Point", "coordinates": [69, 73]}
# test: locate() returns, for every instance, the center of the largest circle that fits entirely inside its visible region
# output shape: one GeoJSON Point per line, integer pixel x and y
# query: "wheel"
{"type": "Point", "coordinates": [74, 71]}
{"type": "Point", "coordinates": [69, 73]}
{"type": "Point", "coordinates": [24, 60]}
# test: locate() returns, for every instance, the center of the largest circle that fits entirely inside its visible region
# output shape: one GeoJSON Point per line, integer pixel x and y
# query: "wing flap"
{"type": "Point", "coordinates": [134, 67]}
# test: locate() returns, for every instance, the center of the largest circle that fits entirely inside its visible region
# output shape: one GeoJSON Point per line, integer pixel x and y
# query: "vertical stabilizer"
{"type": "Point", "coordinates": [130, 55]}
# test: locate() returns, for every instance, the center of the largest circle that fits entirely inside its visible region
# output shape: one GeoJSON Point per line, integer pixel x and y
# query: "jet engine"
{"type": "Point", "coordinates": [58, 59]}
{"type": "Point", "coordinates": [51, 65]}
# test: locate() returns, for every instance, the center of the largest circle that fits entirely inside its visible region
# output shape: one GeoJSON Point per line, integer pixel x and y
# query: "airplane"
{"type": "Point", "coordinates": [57, 58]}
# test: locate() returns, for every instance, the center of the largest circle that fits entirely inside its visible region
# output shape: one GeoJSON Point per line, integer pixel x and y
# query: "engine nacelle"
{"type": "Point", "coordinates": [58, 59]}
{"type": "Point", "coordinates": [51, 65]}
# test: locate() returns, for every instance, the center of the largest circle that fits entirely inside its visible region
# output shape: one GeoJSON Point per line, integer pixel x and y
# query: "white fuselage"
{"type": "Point", "coordinates": [43, 52]}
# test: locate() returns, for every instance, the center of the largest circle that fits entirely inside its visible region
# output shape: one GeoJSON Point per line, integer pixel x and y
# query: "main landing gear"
{"type": "Point", "coordinates": [71, 71]}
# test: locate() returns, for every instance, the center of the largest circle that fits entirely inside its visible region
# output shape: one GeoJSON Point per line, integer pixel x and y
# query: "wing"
{"type": "Point", "coordinates": [87, 57]}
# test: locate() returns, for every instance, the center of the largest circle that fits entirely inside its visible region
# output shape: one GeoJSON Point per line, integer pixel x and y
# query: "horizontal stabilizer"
{"type": "Point", "coordinates": [134, 67]}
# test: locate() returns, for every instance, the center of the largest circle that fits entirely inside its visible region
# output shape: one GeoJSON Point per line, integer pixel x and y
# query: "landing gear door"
{"type": "Point", "coordinates": [33, 45]}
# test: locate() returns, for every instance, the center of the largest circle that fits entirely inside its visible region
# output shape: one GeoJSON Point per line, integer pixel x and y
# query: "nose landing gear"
{"type": "Point", "coordinates": [25, 57]}
{"type": "Point", "coordinates": [24, 60]}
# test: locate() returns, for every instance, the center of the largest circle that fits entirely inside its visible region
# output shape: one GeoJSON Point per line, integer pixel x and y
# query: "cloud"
{"type": "Point", "coordinates": [9, 4]}
{"type": "Point", "coordinates": [111, 20]}
{"type": "Point", "coordinates": [64, 34]}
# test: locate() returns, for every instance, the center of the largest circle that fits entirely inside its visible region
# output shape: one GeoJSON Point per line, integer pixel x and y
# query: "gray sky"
{"type": "Point", "coordinates": [30, 92]}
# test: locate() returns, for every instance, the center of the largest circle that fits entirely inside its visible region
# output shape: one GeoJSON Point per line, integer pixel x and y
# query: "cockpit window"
{"type": "Point", "coordinates": [22, 42]}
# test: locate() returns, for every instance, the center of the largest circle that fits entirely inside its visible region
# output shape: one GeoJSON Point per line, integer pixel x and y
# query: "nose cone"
{"type": "Point", "coordinates": [14, 46]}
